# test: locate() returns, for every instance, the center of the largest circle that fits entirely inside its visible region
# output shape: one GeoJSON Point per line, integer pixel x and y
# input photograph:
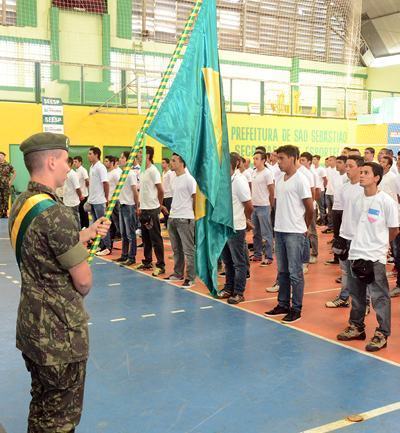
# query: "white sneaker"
{"type": "Point", "coordinates": [395, 292]}
{"type": "Point", "coordinates": [313, 260]}
{"type": "Point", "coordinates": [105, 252]}
{"type": "Point", "coordinates": [273, 289]}
{"type": "Point", "coordinates": [138, 232]}
{"type": "Point", "coordinates": [305, 268]}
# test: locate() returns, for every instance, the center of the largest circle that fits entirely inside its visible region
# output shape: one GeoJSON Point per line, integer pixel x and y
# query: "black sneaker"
{"type": "Point", "coordinates": [235, 299]}
{"type": "Point", "coordinates": [121, 259]}
{"type": "Point", "coordinates": [277, 311]}
{"type": "Point", "coordinates": [247, 275]}
{"type": "Point", "coordinates": [351, 333]}
{"type": "Point", "coordinates": [129, 262]}
{"type": "Point", "coordinates": [378, 342]}
{"type": "Point", "coordinates": [292, 316]}
{"type": "Point", "coordinates": [187, 284]}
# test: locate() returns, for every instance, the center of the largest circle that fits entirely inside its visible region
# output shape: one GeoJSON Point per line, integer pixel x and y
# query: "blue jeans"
{"type": "Point", "coordinates": [98, 210]}
{"type": "Point", "coordinates": [261, 220]}
{"type": "Point", "coordinates": [234, 256]}
{"type": "Point", "coordinates": [127, 226]}
{"type": "Point", "coordinates": [289, 253]}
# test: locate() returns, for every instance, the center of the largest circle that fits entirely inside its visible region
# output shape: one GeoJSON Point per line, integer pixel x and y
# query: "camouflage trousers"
{"type": "Point", "coordinates": [57, 396]}
{"type": "Point", "coordinates": [4, 196]}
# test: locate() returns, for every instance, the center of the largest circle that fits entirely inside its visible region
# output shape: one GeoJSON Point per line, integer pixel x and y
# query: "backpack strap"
{"type": "Point", "coordinates": [32, 207]}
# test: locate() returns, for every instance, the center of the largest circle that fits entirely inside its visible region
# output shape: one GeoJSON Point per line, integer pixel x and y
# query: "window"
{"type": "Point", "coordinates": [8, 12]}
{"type": "Point", "coordinates": [19, 68]}
{"type": "Point", "coordinates": [91, 6]}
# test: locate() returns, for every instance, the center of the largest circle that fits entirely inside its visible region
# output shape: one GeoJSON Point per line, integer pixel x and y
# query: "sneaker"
{"type": "Point", "coordinates": [105, 252]}
{"type": "Point", "coordinates": [139, 232]}
{"type": "Point", "coordinates": [222, 274]}
{"type": "Point", "coordinates": [395, 292]}
{"type": "Point", "coordinates": [337, 302]}
{"type": "Point", "coordinates": [351, 333]}
{"type": "Point", "coordinates": [121, 259]}
{"type": "Point", "coordinates": [273, 289]}
{"type": "Point", "coordinates": [235, 299]}
{"type": "Point", "coordinates": [158, 271]}
{"type": "Point", "coordinates": [187, 284]}
{"type": "Point", "coordinates": [224, 294]}
{"type": "Point", "coordinates": [143, 267]}
{"type": "Point", "coordinates": [277, 311]}
{"type": "Point", "coordinates": [305, 268]}
{"type": "Point", "coordinates": [128, 262]}
{"type": "Point", "coordinates": [332, 262]}
{"type": "Point", "coordinates": [292, 316]}
{"type": "Point", "coordinates": [140, 245]}
{"type": "Point", "coordinates": [255, 259]}
{"type": "Point", "coordinates": [338, 280]}
{"type": "Point", "coordinates": [378, 342]}
{"type": "Point", "coordinates": [247, 275]}
{"type": "Point", "coordinates": [265, 263]}
{"type": "Point", "coordinates": [327, 231]}
{"type": "Point", "coordinates": [368, 309]}
{"type": "Point", "coordinates": [313, 260]}
{"type": "Point", "coordinates": [174, 277]}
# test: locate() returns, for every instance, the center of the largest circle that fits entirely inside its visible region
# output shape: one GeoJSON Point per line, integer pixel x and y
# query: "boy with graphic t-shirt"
{"type": "Point", "coordinates": [377, 225]}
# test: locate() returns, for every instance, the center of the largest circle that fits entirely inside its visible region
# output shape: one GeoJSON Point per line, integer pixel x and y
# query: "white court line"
{"type": "Point", "coordinates": [148, 315]}
{"type": "Point", "coordinates": [15, 281]}
{"type": "Point", "coordinates": [2, 273]}
{"type": "Point", "coordinates": [100, 263]}
{"type": "Point", "coordinates": [114, 284]}
{"type": "Point", "coordinates": [206, 307]}
{"type": "Point", "coordinates": [8, 277]}
{"type": "Point", "coordinates": [312, 334]}
{"type": "Point", "coordinates": [336, 425]}
{"type": "Point", "coordinates": [90, 323]}
{"type": "Point", "coordinates": [3, 264]}
{"type": "Point", "coordinates": [4, 239]}
{"type": "Point", "coordinates": [308, 293]}
{"type": "Point", "coordinates": [177, 311]}
{"type": "Point", "coordinates": [119, 319]}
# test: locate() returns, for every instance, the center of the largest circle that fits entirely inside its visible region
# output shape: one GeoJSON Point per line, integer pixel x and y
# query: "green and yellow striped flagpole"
{"type": "Point", "coordinates": [149, 117]}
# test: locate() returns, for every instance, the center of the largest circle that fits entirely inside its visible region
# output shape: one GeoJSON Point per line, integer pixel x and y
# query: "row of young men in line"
{"type": "Point", "coordinates": [366, 223]}
{"type": "Point", "coordinates": [141, 200]}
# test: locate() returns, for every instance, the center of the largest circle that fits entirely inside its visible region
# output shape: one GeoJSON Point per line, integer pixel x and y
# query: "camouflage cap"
{"type": "Point", "coordinates": [44, 141]}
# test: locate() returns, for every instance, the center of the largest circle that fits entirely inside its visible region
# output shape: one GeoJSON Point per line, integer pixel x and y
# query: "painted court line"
{"type": "Point", "coordinates": [15, 281]}
{"type": "Point", "coordinates": [207, 307]}
{"type": "Point", "coordinates": [119, 319]}
{"type": "Point", "coordinates": [336, 425]}
{"type": "Point", "coordinates": [177, 311]}
{"type": "Point", "coordinates": [305, 293]}
{"type": "Point", "coordinates": [114, 284]}
{"type": "Point", "coordinates": [320, 337]}
{"type": "Point", "coordinates": [8, 277]}
{"type": "Point", "coordinates": [2, 273]}
{"type": "Point", "coordinates": [148, 315]}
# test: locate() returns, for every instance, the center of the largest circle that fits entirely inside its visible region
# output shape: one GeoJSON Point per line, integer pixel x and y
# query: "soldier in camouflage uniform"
{"type": "Point", "coordinates": [52, 330]}
{"type": "Point", "coordinates": [7, 176]}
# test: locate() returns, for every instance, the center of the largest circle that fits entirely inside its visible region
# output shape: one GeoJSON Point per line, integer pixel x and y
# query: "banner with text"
{"type": "Point", "coordinates": [53, 115]}
{"type": "Point", "coordinates": [318, 136]}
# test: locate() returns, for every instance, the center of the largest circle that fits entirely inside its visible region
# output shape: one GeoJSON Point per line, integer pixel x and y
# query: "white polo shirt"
{"type": "Point", "coordinates": [240, 194]}
{"type": "Point", "coordinates": [82, 177]}
{"type": "Point", "coordinates": [378, 213]}
{"type": "Point", "coordinates": [259, 187]}
{"type": "Point", "coordinates": [183, 187]}
{"type": "Point", "coordinates": [97, 175]}
{"type": "Point", "coordinates": [71, 184]}
{"type": "Point", "coordinates": [126, 194]}
{"type": "Point", "coordinates": [290, 210]}
{"type": "Point", "coordinates": [148, 190]}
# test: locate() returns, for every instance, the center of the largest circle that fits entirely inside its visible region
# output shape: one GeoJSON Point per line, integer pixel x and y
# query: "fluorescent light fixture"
{"type": "Point", "coordinates": [381, 62]}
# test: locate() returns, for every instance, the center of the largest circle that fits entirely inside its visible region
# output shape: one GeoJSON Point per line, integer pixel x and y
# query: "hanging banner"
{"type": "Point", "coordinates": [53, 115]}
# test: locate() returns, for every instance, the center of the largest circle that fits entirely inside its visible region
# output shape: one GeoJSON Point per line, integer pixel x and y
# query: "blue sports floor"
{"type": "Point", "coordinates": [177, 362]}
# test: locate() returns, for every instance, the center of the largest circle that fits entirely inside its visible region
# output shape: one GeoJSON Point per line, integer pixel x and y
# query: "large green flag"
{"type": "Point", "coordinates": [192, 122]}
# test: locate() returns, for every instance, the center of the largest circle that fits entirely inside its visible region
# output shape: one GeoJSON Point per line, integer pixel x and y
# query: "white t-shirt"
{"type": "Point", "coordinates": [113, 178]}
{"type": "Point", "coordinates": [71, 184]}
{"type": "Point", "coordinates": [276, 171]}
{"type": "Point", "coordinates": [82, 176]}
{"type": "Point", "coordinates": [351, 213]}
{"type": "Point", "coordinates": [308, 174]}
{"type": "Point", "coordinates": [330, 174]}
{"type": "Point", "coordinates": [167, 179]}
{"type": "Point", "coordinates": [394, 168]}
{"type": "Point", "coordinates": [321, 173]}
{"type": "Point", "coordinates": [183, 188]}
{"type": "Point", "coordinates": [389, 184]}
{"type": "Point", "coordinates": [338, 183]}
{"type": "Point", "coordinates": [259, 187]}
{"type": "Point", "coordinates": [126, 194]}
{"type": "Point", "coordinates": [148, 190]}
{"type": "Point", "coordinates": [240, 194]}
{"type": "Point", "coordinates": [97, 175]}
{"type": "Point", "coordinates": [371, 239]}
{"type": "Point", "coordinates": [290, 210]}
{"type": "Point", "coordinates": [248, 174]}
{"type": "Point", "coordinates": [136, 169]}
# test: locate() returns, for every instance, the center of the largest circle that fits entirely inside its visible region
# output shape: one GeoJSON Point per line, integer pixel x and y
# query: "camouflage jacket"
{"type": "Point", "coordinates": [52, 321]}
{"type": "Point", "coordinates": [6, 170]}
